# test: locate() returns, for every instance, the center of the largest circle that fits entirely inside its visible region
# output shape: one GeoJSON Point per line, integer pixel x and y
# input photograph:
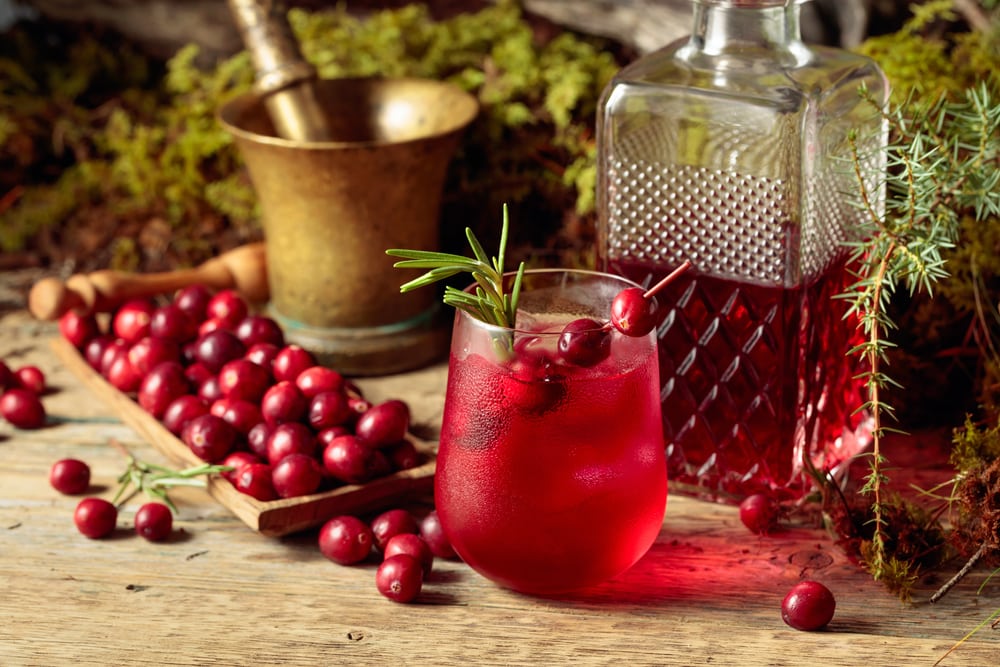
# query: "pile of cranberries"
{"type": "Point", "coordinates": [21, 392]}
{"type": "Point", "coordinates": [405, 546]}
{"type": "Point", "coordinates": [222, 379]}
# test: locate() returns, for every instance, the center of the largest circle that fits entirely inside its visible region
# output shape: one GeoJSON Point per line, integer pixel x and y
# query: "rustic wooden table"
{"type": "Point", "coordinates": [217, 593]}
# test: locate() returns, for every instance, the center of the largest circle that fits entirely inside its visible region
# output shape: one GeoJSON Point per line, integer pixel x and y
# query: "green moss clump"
{"type": "Point", "coordinates": [142, 143]}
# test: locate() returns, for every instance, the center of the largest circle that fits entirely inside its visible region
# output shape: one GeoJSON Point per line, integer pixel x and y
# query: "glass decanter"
{"type": "Point", "coordinates": [732, 149]}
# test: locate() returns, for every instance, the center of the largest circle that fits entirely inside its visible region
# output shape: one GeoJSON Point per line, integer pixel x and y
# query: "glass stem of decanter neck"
{"type": "Point", "coordinates": [722, 26]}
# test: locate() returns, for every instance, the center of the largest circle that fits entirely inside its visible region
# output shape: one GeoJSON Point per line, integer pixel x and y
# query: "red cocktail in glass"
{"type": "Point", "coordinates": [551, 475]}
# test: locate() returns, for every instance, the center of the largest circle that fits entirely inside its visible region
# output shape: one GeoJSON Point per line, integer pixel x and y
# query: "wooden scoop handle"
{"type": "Point", "coordinates": [243, 269]}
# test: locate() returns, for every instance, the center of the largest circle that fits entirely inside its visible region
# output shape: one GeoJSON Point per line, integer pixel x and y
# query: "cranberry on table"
{"type": "Point", "coordinates": [154, 521]}
{"type": "Point", "coordinates": [400, 578]}
{"type": "Point", "coordinates": [759, 513]}
{"type": "Point", "coordinates": [390, 523]}
{"type": "Point", "coordinates": [69, 476]}
{"type": "Point", "coordinates": [31, 378]}
{"type": "Point", "coordinates": [95, 517]}
{"type": "Point", "coordinates": [433, 534]}
{"type": "Point", "coordinates": [412, 545]}
{"type": "Point", "coordinates": [809, 605]}
{"type": "Point", "coordinates": [346, 540]}
{"type": "Point", "coordinates": [22, 408]}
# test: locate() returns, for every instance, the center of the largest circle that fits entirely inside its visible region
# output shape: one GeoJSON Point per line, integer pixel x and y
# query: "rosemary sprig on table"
{"type": "Point", "coordinates": [489, 302]}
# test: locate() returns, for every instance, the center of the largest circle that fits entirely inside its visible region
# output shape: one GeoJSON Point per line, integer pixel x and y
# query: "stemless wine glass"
{"type": "Point", "coordinates": [551, 474]}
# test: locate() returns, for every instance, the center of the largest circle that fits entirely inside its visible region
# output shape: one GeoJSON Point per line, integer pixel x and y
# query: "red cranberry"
{"type": "Point", "coordinates": [400, 578]}
{"type": "Point", "coordinates": [326, 436]}
{"type": "Point", "coordinates": [112, 351]}
{"type": "Point", "coordinates": [122, 375]}
{"type": "Point", "coordinates": [257, 439]}
{"type": "Point", "coordinates": [164, 384]}
{"type": "Point", "coordinates": [290, 438]}
{"type": "Point", "coordinates": [145, 354]}
{"type": "Point", "coordinates": [317, 379]}
{"type": "Point", "coordinates": [209, 390]}
{"type": "Point", "coordinates": [254, 479]}
{"type": "Point", "coordinates": [254, 329]}
{"type": "Point", "coordinates": [808, 606]}
{"type": "Point", "coordinates": [390, 523]}
{"type": "Point", "coordinates": [633, 313]}
{"type": "Point", "coordinates": [296, 475]}
{"type": "Point", "coordinates": [78, 329]}
{"type": "Point", "coordinates": [329, 408]}
{"type": "Point", "coordinates": [346, 540]}
{"type": "Point", "coordinates": [210, 325]}
{"type": "Point", "coordinates": [131, 321]}
{"type": "Point", "coordinates": [182, 410]}
{"type": "Point", "coordinates": [94, 350]}
{"type": "Point", "coordinates": [244, 379]}
{"type": "Point", "coordinates": [69, 476]}
{"type": "Point", "coordinates": [759, 513]}
{"type": "Point", "coordinates": [193, 300]}
{"type": "Point", "coordinates": [237, 460]}
{"type": "Point", "coordinates": [197, 373]}
{"type": "Point", "coordinates": [171, 322]}
{"type": "Point", "coordinates": [154, 521]}
{"type": "Point", "coordinates": [22, 408]}
{"type": "Point", "coordinates": [95, 517]}
{"type": "Point", "coordinates": [282, 403]}
{"type": "Point", "coordinates": [384, 423]}
{"type": "Point", "coordinates": [433, 534]}
{"type": "Point", "coordinates": [228, 307]}
{"type": "Point", "coordinates": [30, 378]}
{"type": "Point", "coordinates": [263, 354]}
{"type": "Point", "coordinates": [290, 361]}
{"type": "Point", "coordinates": [217, 347]}
{"type": "Point", "coordinates": [584, 342]}
{"type": "Point", "coordinates": [209, 437]}
{"type": "Point", "coordinates": [402, 455]}
{"type": "Point", "coordinates": [411, 545]}
{"type": "Point", "coordinates": [242, 414]}
{"type": "Point", "coordinates": [359, 406]}
{"type": "Point", "coordinates": [349, 460]}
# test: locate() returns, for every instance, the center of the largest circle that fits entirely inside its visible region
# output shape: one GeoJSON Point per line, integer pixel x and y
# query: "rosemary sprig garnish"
{"type": "Point", "coordinates": [489, 303]}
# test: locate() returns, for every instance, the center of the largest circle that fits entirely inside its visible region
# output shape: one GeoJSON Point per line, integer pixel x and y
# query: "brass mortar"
{"type": "Point", "coordinates": [330, 209]}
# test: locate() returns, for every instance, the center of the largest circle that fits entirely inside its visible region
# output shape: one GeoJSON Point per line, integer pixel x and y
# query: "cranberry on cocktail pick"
{"type": "Point", "coordinates": [633, 312]}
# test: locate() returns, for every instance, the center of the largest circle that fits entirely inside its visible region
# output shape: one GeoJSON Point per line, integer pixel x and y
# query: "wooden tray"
{"type": "Point", "coordinates": [272, 518]}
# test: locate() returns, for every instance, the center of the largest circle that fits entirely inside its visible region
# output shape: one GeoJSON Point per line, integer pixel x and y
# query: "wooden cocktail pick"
{"type": "Point", "coordinates": [243, 269]}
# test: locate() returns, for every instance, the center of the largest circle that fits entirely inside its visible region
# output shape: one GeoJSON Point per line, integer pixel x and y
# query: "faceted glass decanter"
{"type": "Point", "coordinates": [731, 149]}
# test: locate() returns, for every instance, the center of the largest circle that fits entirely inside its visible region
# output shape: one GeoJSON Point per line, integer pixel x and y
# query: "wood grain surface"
{"type": "Point", "coordinates": [219, 593]}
